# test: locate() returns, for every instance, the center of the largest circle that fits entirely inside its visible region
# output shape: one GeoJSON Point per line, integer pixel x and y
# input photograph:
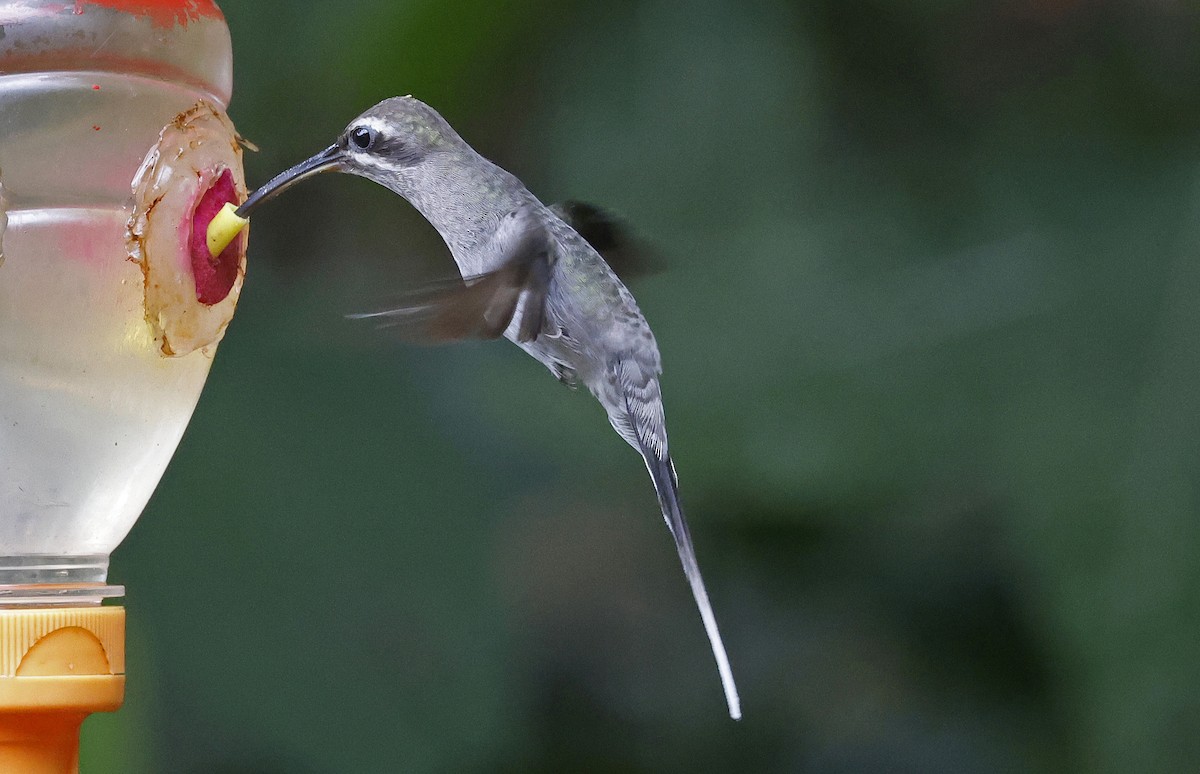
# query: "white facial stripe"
{"type": "Point", "coordinates": [371, 160]}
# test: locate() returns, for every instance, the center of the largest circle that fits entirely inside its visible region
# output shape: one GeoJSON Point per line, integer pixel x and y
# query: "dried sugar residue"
{"type": "Point", "coordinates": [195, 152]}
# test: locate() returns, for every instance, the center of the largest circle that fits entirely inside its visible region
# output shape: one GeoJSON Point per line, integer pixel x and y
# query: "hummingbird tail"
{"type": "Point", "coordinates": [634, 403]}
{"type": "Point", "coordinates": [662, 471]}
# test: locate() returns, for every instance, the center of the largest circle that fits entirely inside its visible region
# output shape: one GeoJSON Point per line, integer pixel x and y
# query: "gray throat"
{"type": "Point", "coordinates": [463, 196]}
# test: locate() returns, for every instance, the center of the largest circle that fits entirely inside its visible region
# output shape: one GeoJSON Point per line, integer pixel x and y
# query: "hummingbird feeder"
{"type": "Point", "coordinates": [115, 151]}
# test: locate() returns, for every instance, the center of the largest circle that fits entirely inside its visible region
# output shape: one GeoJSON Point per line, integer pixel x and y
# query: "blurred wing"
{"type": "Point", "coordinates": [482, 306]}
{"type": "Point", "coordinates": [625, 254]}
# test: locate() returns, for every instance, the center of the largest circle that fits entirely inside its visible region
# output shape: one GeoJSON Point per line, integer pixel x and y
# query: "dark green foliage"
{"type": "Point", "coordinates": [929, 326]}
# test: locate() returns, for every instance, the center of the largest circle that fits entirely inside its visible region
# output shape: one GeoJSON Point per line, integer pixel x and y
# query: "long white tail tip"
{"type": "Point", "coordinates": [718, 649]}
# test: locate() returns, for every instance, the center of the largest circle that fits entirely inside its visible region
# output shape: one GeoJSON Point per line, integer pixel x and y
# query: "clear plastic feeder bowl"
{"type": "Point", "coordinates": [113, 141]}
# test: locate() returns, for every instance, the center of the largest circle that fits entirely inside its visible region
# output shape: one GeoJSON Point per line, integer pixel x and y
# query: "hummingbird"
{"type": "Point", "coordinates": [528, 273]}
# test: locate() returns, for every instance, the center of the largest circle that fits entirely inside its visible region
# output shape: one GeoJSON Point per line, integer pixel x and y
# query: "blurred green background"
{"type": "Point", "coordinates": [929, 335]}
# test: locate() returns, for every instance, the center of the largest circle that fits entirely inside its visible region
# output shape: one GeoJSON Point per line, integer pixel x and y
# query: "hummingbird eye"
{"type": "Point", "coordinates": [362, 137]}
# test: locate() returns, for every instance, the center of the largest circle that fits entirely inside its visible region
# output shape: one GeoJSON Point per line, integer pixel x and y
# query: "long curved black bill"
{"type": "Point", "coordinates": [322, 162]}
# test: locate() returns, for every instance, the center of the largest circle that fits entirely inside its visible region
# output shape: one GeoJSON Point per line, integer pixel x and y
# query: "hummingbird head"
{"type": "Point", "coordinates": [386, 144]}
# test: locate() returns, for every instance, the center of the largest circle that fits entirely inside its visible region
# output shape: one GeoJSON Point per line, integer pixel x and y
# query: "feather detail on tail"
{"type": "Point", "coordinates": [642, 425]}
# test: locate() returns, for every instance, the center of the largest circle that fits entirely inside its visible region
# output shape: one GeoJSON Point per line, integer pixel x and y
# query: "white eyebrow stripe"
{"type": "Point", "coordinates": [372, 123]}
